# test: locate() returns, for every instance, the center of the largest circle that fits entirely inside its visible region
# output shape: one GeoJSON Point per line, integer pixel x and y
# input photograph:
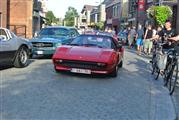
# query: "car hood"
{"type": "Point", "coordinates": [84, 53]}
{"type": "Point", "coordinates": [61, 39]}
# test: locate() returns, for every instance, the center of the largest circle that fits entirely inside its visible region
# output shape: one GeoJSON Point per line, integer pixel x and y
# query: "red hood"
{"type": "Point", "coordinates": [83, 53]}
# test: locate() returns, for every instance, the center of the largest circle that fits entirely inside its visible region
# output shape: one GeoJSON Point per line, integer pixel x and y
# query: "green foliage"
{"type": "Point", "coordinates": [51, 18]}
{"type": "Point", "coordinates": [159, 13]}
{"type": "Point", "coordinates": [70, 15]}
{"type": "Point", "coordinates": [100, 25]}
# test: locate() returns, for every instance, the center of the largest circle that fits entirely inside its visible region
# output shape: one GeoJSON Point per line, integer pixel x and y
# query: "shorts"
{"type": "Point", "coordinates": [139, 42]}
{"type": "Point", "coordinates": [148, 44]}
{"type": "Point", "coordinates": [130, 41]}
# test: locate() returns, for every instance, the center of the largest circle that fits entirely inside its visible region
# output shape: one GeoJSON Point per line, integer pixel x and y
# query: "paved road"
{"type": "Point", "coordinates": [38, 92]}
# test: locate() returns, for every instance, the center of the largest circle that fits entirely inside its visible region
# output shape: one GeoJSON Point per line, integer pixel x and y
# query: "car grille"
{"type": "Point", "coordinates": [81, 64]}
{"type": "Point", "coordinates": [42, 44]}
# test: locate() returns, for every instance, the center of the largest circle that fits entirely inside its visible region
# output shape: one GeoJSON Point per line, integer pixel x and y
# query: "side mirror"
{"type": "Point", "coordinates": [3, 37]}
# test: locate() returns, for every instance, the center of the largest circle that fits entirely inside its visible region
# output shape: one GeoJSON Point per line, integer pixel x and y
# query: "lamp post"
{"type": "Point", "coordinates": [0, 19]}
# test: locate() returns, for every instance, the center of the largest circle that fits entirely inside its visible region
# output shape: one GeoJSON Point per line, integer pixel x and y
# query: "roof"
{"type": "Point", "coordinates": [88, 8]}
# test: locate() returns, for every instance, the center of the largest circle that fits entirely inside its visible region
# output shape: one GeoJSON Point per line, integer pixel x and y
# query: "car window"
{"type": "Point", "coordinates": [55, 32]}
{"type": "Point", "coordinates": [74, 33]}
{"type": "Point", "coordinates": [3, 32]}
{"type": "Point", "coordinates": [13, 35]}
{"type": "Point", "coordinates": [97, 41]}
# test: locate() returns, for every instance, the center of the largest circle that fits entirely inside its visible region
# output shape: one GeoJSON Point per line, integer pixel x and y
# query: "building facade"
{"type": "Point", "coordinates": [85, 16]}
{"type": "Point", "coordinates": [21, 16]}
{"type": "Point", "coordinates": [98, 14]}
{"type": "Point", "coordinates": [3, 13]}
{"type": "Point", "coordinates": [113, 14]}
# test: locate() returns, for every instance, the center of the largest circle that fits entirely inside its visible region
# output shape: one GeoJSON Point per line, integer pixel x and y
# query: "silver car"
{"type": "Point", "coordinates": [14, 50]}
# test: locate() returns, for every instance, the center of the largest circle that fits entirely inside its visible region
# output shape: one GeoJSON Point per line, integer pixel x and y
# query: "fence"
{"type": "Point", "coordinates": [19, 30]}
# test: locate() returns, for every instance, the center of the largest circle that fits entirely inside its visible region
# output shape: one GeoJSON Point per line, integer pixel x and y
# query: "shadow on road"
{"type": "Point", "coordinates": [7, 66]}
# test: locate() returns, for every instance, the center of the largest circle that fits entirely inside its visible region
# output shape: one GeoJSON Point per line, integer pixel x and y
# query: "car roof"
{"type": "Point", "coordinates": [63, 27]}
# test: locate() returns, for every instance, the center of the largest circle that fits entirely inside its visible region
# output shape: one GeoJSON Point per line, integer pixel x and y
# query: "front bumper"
{"type": "Point", "coordinates": [106, 71]}
{"type": "Point", "coordinates": [44, 51]}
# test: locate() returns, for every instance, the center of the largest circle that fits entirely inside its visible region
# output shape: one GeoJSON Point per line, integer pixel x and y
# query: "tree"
{"type": "Point", "coordinates": [100, 25]}
{"type": "Point", "coordinates": [70, 16]}
{"type": "Point", "coordinates": [159, 14]}
{"type": "Point", "coordinates": [51, 18]}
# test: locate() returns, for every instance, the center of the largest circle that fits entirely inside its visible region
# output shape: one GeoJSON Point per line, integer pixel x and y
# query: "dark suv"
{"type": "Point", "coordinates": [14, 50]}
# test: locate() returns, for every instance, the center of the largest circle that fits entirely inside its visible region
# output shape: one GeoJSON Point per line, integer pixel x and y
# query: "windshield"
{"type": "Point", "coordinates": [93, 41]}
{"type": "Point", "coordinates": [54, 32]}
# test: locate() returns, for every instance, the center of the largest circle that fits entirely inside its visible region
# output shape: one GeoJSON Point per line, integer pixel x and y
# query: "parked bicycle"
{"type": "Point", "coordinates": [170, 60]}
{"type": "Point", "coordinates": [171, 73]}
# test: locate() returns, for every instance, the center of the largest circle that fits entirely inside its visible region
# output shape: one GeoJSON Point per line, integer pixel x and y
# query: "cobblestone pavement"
{"type": "Point", "coordinates": [38, 92]}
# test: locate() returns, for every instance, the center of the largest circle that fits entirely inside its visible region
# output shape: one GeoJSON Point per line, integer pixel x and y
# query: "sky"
{"type": "Point", "coordinates": [59, 7]}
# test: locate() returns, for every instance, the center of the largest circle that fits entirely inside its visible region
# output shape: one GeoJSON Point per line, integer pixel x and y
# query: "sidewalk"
{"type": "Point", "coordinates": [176, 101]}
{"type": "Point", "coordinates": [162, 106]}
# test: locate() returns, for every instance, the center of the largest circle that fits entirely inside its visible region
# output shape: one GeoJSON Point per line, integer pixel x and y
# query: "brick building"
{"type": "Point", "coordinates": [21, 16]}
{"type": "Point", "coordinates": [3, 13]}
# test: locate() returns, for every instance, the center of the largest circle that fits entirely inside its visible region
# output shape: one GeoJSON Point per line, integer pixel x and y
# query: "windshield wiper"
{"type": "Point", "coordinates": [93, 45]}
{"type": "Point", "coordinates": [73, 44]}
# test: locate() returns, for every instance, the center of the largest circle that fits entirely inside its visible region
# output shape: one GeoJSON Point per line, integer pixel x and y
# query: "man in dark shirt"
{"type": "Point", "coordinates": [166, 34]}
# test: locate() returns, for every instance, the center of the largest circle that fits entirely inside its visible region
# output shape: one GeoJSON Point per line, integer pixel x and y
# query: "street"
{"type": "Point", "coordinates": [38, 92]}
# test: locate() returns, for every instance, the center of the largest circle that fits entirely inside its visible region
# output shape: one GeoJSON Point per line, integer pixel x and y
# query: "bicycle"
{"type": "Point", "coordinates": [171, 75]}
{"type": "Point", "coordinates": [158, 52]}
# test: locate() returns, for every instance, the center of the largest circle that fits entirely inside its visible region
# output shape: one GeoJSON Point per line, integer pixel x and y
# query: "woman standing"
{"type": "Point", "coordinates": [148, 42]}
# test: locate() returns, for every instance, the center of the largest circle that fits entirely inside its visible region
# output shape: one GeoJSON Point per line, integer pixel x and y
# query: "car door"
{"type": "Point", "coordinates": [8, 47]}
{"type": "Point", "coordinates": [118, 49]}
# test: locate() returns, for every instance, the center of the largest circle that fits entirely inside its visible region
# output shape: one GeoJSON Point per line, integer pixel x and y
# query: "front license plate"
{"type": "Point", "coordinates": [39, 52]}
{"type": "Point", "coordinates": [84, 71]}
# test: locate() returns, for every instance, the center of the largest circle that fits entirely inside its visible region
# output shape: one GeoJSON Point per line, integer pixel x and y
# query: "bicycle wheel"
{"type": "Point", "coordinates": [167, 74]}
{"type": "Point", "coordinates": [154, 64]}
{"type": "Point", "coordinates": [173, 78]}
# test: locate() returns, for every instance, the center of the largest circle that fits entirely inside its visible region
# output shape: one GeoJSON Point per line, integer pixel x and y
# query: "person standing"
{"type": "Point", "coordinates": [131, 36]}
{"type": "Point", "coordinates": [139, 37]}
{"type": "Point", "coordinates": [148, 41]}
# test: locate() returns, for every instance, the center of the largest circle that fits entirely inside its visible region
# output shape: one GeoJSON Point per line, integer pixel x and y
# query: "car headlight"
{"type": "Point", "coordinates": [101, 64]}
{"type": "Point", "coordinates": [58, 44]}
{"type": "Point", "coordinates": [58, 61]}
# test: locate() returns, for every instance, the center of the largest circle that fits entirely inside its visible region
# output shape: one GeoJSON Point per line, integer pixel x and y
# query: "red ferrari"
{"type": "Point", "coordinates": [90, 54]}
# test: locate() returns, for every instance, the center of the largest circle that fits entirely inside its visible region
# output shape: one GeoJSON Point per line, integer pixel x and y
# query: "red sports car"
{"type": "Point", "coordinates": [90, 54]}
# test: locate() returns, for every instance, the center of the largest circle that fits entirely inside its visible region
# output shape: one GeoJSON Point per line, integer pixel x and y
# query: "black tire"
{"type": "Point", "coordinates": [167, 73]}
{"type": "Point", "coordinates": [57, 71]}
{"type": "Point", "coordinates": [173, 78]}
{"type": "Point", "coordinates": [154, 63]}
{"type": "Point", "coordinates": [115, 72]}
{"type": "Point", "coordinates": [22, 57]}
{"type": "Point", "coordinates": [120, 64]}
